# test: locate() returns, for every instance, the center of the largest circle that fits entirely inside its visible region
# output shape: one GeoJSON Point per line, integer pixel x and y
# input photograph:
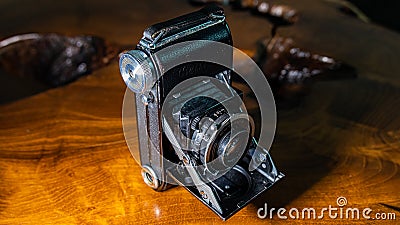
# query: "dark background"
{"type": "Point", "coordinates": [385, 13]}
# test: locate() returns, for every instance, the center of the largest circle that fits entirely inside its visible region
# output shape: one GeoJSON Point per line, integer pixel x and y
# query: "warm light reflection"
{"type": "Point", "coordinates": [157, 211]}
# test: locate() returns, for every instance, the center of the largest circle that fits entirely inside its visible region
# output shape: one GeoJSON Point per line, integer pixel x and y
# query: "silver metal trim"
{"type": "Point", "coordinates": [156, 43]}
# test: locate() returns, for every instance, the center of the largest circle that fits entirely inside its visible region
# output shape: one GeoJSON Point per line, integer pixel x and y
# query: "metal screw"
{"type": "Point", "coordinates": [262, 157]}
{"type": "Point", "coordinates": [177, 95]}
{"type": "Point", "coordinates": [147, 99]}
{"type": "Point", "coordinates": [203, 195]}
{"type": "Point", "coordinates": [264, 166]}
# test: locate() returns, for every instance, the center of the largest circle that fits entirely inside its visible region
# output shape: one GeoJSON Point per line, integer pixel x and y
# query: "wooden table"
{"type": "Point", "coordinates": [64, 160]}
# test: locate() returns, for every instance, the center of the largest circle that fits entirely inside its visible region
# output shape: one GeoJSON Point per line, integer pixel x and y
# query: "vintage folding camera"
{"type": "Point", "coordinates": [198, 135]}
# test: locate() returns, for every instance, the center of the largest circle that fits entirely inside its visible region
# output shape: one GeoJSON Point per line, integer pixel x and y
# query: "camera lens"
{"type": "Point", "coordinates": [137, 71]}
{"type": "Point", "coordinates": [228, 146]}
{"type": "Point", "coordinates": [219, 139]}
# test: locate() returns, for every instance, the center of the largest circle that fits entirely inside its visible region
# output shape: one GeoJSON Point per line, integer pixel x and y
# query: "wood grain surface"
{"type": "Point", "coordinates": [64, 160]}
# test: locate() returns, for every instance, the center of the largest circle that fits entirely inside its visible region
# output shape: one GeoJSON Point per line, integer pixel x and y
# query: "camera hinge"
{"type": "Point", "coordinates": [205, 191]}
